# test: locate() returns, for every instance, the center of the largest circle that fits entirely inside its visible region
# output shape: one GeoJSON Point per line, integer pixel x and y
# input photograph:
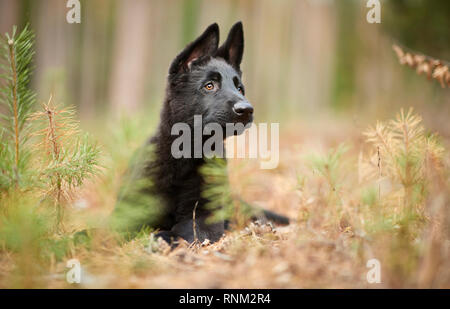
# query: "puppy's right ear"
{"type": "Point", "coordinates": [204, 45]}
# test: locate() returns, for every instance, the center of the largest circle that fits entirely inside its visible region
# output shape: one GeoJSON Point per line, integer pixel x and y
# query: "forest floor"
{"type": "Point", "coordinates": [327, 244]}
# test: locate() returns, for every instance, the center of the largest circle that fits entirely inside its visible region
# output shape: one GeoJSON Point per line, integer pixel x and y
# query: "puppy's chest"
{"type": "Point", "coordinates": [180, 180]}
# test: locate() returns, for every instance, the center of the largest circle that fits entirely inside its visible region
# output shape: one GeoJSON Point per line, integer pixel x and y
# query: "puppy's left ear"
{"type": "Point", "coordinates": [233, 48]}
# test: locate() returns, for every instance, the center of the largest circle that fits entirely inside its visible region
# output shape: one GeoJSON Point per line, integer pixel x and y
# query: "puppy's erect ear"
{"type": "Point", "coordinates": [204, 45]}
{"type": "Point", "coordinates": [233, 48]}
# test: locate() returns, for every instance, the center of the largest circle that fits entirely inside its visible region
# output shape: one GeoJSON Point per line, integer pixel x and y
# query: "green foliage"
{"type": "Point", "coordinates": [27, 232]}
{"type": "Point", "coordinates": [405, 153]}
{"type": "Point", "coordinates": [137, 207]}
{"type": "Point", "coordinates": [221, 199]}
{"type": "Point", "coordinates": [75, 164]}
{"type": "Point", "coordinates": [6, 163]}
{"type": "Point", "coordinates": [407, 160]}
{"type": "Point", "coordinates": [347, 49]}
{"type": "Point", "coordinates": [126, 131]}
{"type": "Point", "coordinates": [67, 157]}
{"type": "Point", "coordinates": [43, 158]}
{"type": "Point", "coordinates": [369, 197]}
{"type": "Point", "coordinates": [16, 51]}
{"type": "Point", "coordinates": [26, 228]}
{"type": "Point", "coordinates": [189, 20]}
{"type": "Point", "coordinates": [216, 188]}
{"type": "Point", "coordinates": [328, 166]}
{"type": "Point", "coordinates": [21, 225]}
{"type": "Point", "coordinates": [405, 21]}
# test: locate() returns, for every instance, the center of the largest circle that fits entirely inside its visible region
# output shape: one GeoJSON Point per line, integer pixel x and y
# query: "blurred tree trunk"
{"type": "Point", "coordinates": [131, 51]}
{"type": "Point", "coordinates": [95, 55]}
{"type": "Point", "coordinates": [190, 16]}
{"type": "Point", "coordinates": [51, 30]}
{"type": "Point", "coordinates": [346, 55]}
{"type": "Point", "coordinates": [9, 11]}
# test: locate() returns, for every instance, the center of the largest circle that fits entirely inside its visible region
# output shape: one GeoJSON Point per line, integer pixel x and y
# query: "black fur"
{"type": "Point", "coordinates": [177, 183]}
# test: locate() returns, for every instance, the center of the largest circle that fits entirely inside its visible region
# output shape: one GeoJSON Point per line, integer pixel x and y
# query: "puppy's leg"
{"type": "Point", "coordinates": [257, 213]}
{"type": "Point", "coordinates": [274, 217]}
{"type": "Point", "coordinates": [203, 230]}
{"type": "Point", "coordinates": [168, 236]}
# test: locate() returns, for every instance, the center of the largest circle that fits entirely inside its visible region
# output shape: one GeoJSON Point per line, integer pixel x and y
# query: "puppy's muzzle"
{"type": "Point", "coordinates": [243, 109]}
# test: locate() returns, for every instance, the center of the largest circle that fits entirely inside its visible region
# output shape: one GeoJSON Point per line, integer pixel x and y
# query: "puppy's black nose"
{"type": "Point", "coordinates": [243, 108]}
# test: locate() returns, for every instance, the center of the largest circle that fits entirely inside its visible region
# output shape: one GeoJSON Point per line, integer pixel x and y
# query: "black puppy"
{"type": "Point", "coordinates": [161, 191]}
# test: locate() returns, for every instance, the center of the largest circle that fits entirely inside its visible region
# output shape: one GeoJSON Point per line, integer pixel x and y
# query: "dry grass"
{"type": "Point", "coordinates": [339, 222]}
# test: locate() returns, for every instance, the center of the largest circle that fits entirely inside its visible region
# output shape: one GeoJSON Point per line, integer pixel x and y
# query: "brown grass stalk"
{"type": "Point", "coordinates": [194, 225]}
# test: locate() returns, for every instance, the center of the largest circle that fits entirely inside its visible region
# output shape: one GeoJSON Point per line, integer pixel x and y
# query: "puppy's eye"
{"type": "Point", "coordinates": [241, 90]}
{"type": "Point", "coordinates": [209, 86]}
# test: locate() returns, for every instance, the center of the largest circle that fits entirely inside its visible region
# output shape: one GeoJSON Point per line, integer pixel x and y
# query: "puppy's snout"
{"type": "Point", "coordinates": [243, 108]}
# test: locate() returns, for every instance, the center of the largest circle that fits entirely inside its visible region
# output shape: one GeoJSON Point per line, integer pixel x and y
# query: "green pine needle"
{"type": "Point", "coordinates": [16, 51]}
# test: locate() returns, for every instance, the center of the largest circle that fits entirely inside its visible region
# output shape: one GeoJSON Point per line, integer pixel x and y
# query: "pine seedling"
{"type": "Point", "coordinates": [405, 151]}
{"type": "Point", "coordinates": [222, 200]}
{"type": "Point", "coordinates": [216, 188]}
{"type": "Point", "coordinates": [138, 206]}
{"type": "Point", "coordinates": [6, 159]}
{"type": "Point", "coordinates": [16, 52]}
{"type": "Point", "coordinates": [330, 168]}
{"type": "Point", "coordinates": [404, 156]}
{"type": "Point", "coordinates": [69, 157]}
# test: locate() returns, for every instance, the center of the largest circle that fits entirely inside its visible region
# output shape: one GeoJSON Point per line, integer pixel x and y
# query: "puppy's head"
{"type": "Point", "coordinates": [205, 79]}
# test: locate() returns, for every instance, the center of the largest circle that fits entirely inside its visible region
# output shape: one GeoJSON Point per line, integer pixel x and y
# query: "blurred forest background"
{"type": "Point", "coordinates": [301, 57]}
{"type": "Point", "coordinates": [315, 66]}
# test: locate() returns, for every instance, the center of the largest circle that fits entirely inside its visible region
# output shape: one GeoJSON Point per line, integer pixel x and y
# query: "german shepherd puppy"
{"type": "Point", "coordinates": [161, 192]}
